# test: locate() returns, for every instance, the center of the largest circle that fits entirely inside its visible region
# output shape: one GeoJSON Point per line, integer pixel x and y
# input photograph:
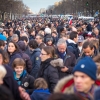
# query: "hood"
{"type": "Point", "coordinates": [37, 50]}
{"type": "Point", "coordinates": [21, 45]}
{"type": "Point", "coordinates": [57, 62]}
{"type": "Point", "coordinates": [71, 41]}
{"type": "Point", "coordinates": [65, 85]}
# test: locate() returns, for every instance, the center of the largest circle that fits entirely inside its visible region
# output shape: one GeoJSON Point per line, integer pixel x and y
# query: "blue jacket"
{"type": "Point", "coordinates": [35, 58]}
{"type": "Point", "coordinates": [40, 94]}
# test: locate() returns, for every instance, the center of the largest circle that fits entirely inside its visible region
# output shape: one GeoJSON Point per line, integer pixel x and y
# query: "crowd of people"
{"type": "Point", "coordinates": [50, 59]}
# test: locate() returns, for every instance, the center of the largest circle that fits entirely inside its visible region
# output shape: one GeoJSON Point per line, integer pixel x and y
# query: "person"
{"type": "Point", "coordinates": [39, 39]}
{"type": "Point", "coordinates": [15, 38]}
{"type": "Point", "coordinates": [48, 71]}
{"type": "Point", "coordinates": [25, 56]}
{"type": "Point", "coordinates": [67, 56]}
{"type": "Point", "coordinates": [41, 91]}
{"type": "Point", "coordinates": [2, 45]}
{"type": "Point", "coordinates": [97, 94]}
{"type": "Point", "coordinates": [82, 82]}
{"type": "Point", "coordinates": [13, 52]}
{"type": "Point", "coordinates": [23, 79]}
{"type": "Point", "coordinates": [61, 96]}
{"type": "Point", "coordinates": [35, 57]}
{"type": "Point", "coordinates": [72, 43]}
{"type": "Point", "coordinates": [8, 80]}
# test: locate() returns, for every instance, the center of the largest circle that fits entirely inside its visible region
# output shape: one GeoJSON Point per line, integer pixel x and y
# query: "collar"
{"type": "Point", "coordinates": [71, 41]}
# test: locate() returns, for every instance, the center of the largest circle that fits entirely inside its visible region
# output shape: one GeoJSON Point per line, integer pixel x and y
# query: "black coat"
{"type": "Point", "coordinates": [49, 73]}
{"type": "Point", "coordinates": [69, 62]}
{"type": "Point", "coordinates": [10, 83]}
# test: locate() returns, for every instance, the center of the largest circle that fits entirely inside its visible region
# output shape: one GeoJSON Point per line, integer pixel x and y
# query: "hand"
{"type": "Point", "coordinates": [23, 94]}
{"type": "Point", "coordinates": [65, 69]}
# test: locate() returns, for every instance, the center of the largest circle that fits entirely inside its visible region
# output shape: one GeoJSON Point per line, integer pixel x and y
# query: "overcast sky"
{"type": "Point", "coordinates": [35, 5]}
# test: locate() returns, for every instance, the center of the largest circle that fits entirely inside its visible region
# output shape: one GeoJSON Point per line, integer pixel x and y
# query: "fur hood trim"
{"type": "Point", "coordinates": [65, 85]}
{"type": "Point", "coordinates": [57, 62]}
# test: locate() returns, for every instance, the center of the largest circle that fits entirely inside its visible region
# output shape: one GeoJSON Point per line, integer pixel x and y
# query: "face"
{"type": "Point", "coordinates": [76, 39]}
{"type": "Point", "coordinates": [4, 33]}
{"type": "Point", "coordinates": [19, 69]}
{"type": "Point", "coordinates": [11, 48]}
{"type": "Point", "coordinates": [44, 56]}
{"type": "Point", "coordinates": [62, 48]}
{"type": "Point", "coordinates": [82, 82]}
{"type": "Point", "coordinates": [38, 39]}
{"type": "Point", "coordinates": [88, 51]}
{"type": "Point", "coordinates": [1, 59]}
{"type": "Point", "coordinates": [33, 33]}
{"type": "Point", "coordinates": [15, 39]}
{"type": "Point", "coordinates": [49, 43]}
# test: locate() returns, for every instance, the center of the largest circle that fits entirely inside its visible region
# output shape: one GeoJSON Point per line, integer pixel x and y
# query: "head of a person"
{"type": "Point", "coordinates": [33, 44]}
{"type": "Point", "coordinates": [25, 39]}
{"type": "Point", "coordinates": [4, 59]}
{"type": "Point", "coordinates": [12, 47]}
{"type": "Point", "coordinates": [2, 44]}
{"type": "Point", "coordinates": [40, 83]}
{"type": "Point", "coordinates": [88, 48]}
{"type": "Point", "coordinates": [41, 32]}
{"type": "Point", "coordinates": [74, 36]}
{"type": "Point", "coordinates": [61, 96]}
{"type": "Point", "coordinates": [61, 45]}
{"type": "Point", "coordinates": [47, 52]}
{"type": "Point", "coordinates": [3, 72]}
{"type": "Point", "coordinates": [54, 34]}
{"type": "Point", "coordinates": [49, 41]}
{"type": "Point", "coordinates": [39, 38]}
{"type": "Point", "coordinates": [15, 38]}
{"type": "Point", "coordinates": [31, 32]}
{"type": "Point", "coordinates": [18, 65]}
{"type": "Point", "coordinates": [84, 74]}
{"type": "Point", "coordinates": [6, 33]}
{"type": "Point", "coordinates": [96, 31]}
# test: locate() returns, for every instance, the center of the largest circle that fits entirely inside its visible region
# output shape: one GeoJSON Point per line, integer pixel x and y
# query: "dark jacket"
{"type": "Point", "coordinates": [69, 61]}
{"type": "Point", "coordinates": [73, 48]}
{"type": "Point", "coordinates": [35, 58]}
{"type": "Point", "coordinates": [26, 81]}
{"type": "Point", "coordinates": [40, 94]}
{"type": "Point", "coordinates": [13, 57]}
{"type": "Point", "coordinates": [10, 83]}
{"type": "Point", "coordinates": [49, 73]}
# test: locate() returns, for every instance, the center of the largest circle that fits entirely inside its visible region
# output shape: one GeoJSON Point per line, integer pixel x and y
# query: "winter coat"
{"type": "Point", "coordinates": [49, 73]}
{"type": "Point", "coordinates": [35, 58]}
{"type": "Point", "coordinates": [73, 48]}
{"type": "Point", "coordinates": [26, 81]}
{"type": "Point", "coordinates": [13, 57]}
{"type": "Point", "coordinates": [69, 62]}
{"type": "Point", "coordinates": [40, 94]}
{"type": "Point", "coordinates": [66, 85]}
{"type": "Point", "coordinates": [10, 83]}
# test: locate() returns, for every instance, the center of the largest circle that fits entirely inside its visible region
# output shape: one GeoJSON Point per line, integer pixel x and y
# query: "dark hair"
{"type": "Point", "coordinates": [16, 46]}
{"type": "Point", "coordinates": [7, 32]}
{"type": "Point", "coordinates": [49, 50]}
{"type": "Point", "coordinates": [30, 30]}
{"type": "Point", "coordinates": [33, 44]}
{"type": "Point", "coordinates": [24, 38]}
{"type": "Point", "coordinates": [73, 35]}
{"type": "Point", "coordinates": [61, 96]}
{"type": "Point", "coordinates": [18, 62]}
{"type": "Point", "coordinates": [40, 83]}
{"type": "Point", "coordinates": [4, 56]}
{"type": "Point", "coordinates": [88, 44]}
{"type": "Point", "coordinates": [5, 94]}
{"type": "Point", "coordinates": [2, 43]}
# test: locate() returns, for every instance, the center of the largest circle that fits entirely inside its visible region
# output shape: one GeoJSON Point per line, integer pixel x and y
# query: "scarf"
{"type": "Point", "coordinates": [62, 55]}
{"type": "Point", "coordinates": [85, 96]}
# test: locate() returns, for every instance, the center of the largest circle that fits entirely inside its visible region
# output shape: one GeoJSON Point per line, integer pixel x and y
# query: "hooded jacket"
{"type": "Point", "coordinates": [49, 71]}
{"type": "Point", "coordinates": [66, 85]}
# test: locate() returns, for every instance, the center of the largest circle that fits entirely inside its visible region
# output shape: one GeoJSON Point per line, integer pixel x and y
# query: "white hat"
{"type": "Point", "coordinates": [47, 30]}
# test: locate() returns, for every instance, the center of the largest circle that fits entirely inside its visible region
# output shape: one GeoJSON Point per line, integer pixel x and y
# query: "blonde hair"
{"type": "Point", "coordinates": [3, 72]}
{"type": "Point", "coordinates": [40, 83]}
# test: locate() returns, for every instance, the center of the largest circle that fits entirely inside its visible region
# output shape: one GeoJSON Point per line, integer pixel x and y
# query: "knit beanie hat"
{"type": "Point", "coordinates": [87, 66]}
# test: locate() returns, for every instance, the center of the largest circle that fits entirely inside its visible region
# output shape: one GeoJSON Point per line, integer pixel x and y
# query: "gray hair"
{"type": "Point", "coordinates": [14, 36]}
{"type": "Point", "coordinates": [61, 41]}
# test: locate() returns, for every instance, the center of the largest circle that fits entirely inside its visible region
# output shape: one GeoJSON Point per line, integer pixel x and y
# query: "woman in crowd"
{"type": "Point", "coordinates": [13, 52]}
{"type": "Point", "coordinates": [48, 71]}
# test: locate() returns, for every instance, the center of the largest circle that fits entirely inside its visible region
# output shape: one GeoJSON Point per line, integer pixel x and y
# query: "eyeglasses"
{"type": "Point", "coordinates": [43, 54]}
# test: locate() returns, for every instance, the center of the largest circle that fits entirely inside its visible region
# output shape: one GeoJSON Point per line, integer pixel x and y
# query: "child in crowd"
{"type": "Point", "coordinates": [23, 79]}
{"type": "Point", "coordinates": [42, 91]}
